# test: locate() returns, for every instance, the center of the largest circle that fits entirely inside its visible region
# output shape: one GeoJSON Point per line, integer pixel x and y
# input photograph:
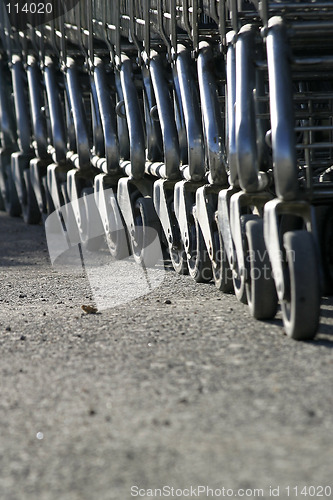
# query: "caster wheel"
{"type": "Point", "coordinates": [177, 251]}
{"type": "Point", "coordinates": [222, 273]}
{"type": "Point", "coordinates": [238, 280]}
{"type": "Point", "coordinates": [10, 199]}
{"type": "Point", "coordinates": [68, 218]}
{"type": "Point", "coordinates": [48, 198]}
{"type": "Point", "coordinates": [116, 237]}
{"type": "Point", "coordinates": [178, 258]}
{"type": "Point", "coordinates": [260, 285]}
{"type": "Point", "coordinates": [90, 218]}
{"type": "Point", "coordinates": [146, 246]}
{"type": "Point", "coordinates": [2, 204]}
{"type": "Point", "coordinates": [301, 306]}
{"type": "Point", "coordinates": [52, 223]}
{"type": "Point", "coordinates": [239, 286]}
{"type": "Point", "coordinates": [30, 209]}
{"type": "Point", "coordinates": [198, 261]}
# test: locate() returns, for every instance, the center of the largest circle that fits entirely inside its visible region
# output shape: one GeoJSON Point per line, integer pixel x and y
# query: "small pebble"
{"type": "Point", "coordinates": [89, 309]}
{"type": "Point", "coordinates": [23, 337]}
{"type": "Point", "coordinates": [168, 301]}
{"type": "Point", "coordinates": [8, 329]}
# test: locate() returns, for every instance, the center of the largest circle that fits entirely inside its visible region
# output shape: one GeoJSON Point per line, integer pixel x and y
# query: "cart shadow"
{"type": "Point", "coordinates": [325, 326]}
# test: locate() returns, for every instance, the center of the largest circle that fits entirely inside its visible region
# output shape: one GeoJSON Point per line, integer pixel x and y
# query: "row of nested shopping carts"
{"type": "Point", "coordinates": [208, 123]}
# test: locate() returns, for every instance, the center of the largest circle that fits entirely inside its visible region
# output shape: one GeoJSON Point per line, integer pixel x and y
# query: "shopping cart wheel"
{"type": "Point", "coordinates": [11, 200]}
{"type": "Point", "coordinates": [146, 244]}
{"type": "Point", "coordinates": [238, 278]}
{"type": "Point", "coordinates": [90, 219]}
{"type": "Point", "coordinates": [222, 273]}
{"type": "Point", "coordinates": [178, 258]}
{"type": "Point", "coordinates": [177, 251]}
{"type": "Point", "coordinates": [260, 285]}
{"type": "Point", "coordinates": [116, 237]}
{"type": "Point", "coordinates": [198, 261]}
{"type": "Point", "coordinates": [30, 209]}
{"type": "Point", "coordinates": [2, 204]}
{"type": "Point", "coordinates": [301, 306]}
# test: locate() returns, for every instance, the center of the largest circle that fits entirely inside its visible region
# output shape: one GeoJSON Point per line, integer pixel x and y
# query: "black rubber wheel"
{"type": "Point", "coordinates": [238, 280]}
{"type": "Point", "coordinates": [178, 258]}
{"type": "Point", "coordinates": [146, 245]}
{"type": "Point", "coordinates": [49, 201]}
{"type": "Point", "coordinates": [222, 273]}
{"type": "Point", "coordinates": [90, 217]}
{"type": "Point", "coordinates": [10, 199]}
{"type": "Point", "coordinates": [53, 224]}
{"type": "Point", "coordinates": [260, 285]}
{"type": "Point", "coordinates": [177, 251]}
{"type": "Point", "coordinates": [301, 306]}
{"type": "Point", "coordinates": [44, 213]}
{"type": "Point", "coordinates": [30, 209]}
{"type": "Point", "coordinates": [198, 261]}
{"type": "Point", "coordinates": [2, 204]}
{"type": "Point", "coordinates": [116, 237]}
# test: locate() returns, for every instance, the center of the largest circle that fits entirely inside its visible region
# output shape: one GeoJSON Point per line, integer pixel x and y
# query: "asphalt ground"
{"type": "Point", "coordinates": [179, 388]}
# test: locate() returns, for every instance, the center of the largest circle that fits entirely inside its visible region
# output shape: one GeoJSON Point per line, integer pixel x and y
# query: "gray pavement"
{"type": "Point", "coordinates": [176, 389]}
